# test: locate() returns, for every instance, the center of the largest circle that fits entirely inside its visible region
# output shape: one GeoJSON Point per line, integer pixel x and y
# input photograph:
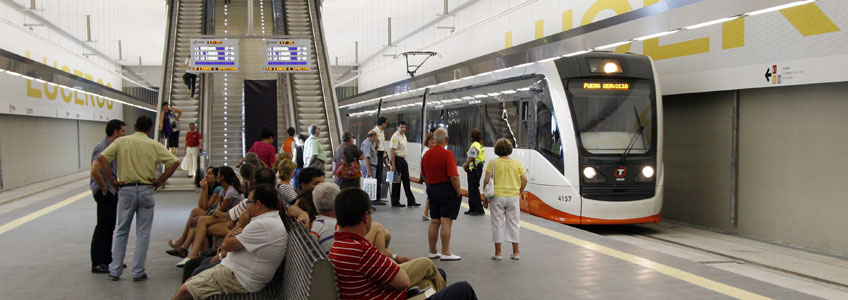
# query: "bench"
{"type": "Point", "coordinates": [305, 273]}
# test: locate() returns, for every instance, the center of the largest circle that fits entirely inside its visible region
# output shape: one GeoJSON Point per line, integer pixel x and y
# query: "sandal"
{"type": "Point", "coordinates": [173, 245]}
{"type": "Point", "coordinates": [179, 252]}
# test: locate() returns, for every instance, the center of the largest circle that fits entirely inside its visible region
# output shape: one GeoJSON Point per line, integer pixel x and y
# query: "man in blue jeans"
{"type": "Point", "coordinates": [137, 155]}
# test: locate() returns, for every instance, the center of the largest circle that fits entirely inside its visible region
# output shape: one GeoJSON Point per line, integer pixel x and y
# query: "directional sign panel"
{"type": "Point", "coordinates": [214, 55]}
{"type": "Point", "coordinates": [287, 56]}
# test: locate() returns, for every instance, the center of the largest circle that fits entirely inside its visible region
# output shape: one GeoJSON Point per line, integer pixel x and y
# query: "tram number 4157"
{"type": "Point", "coordinates": [564, 198]}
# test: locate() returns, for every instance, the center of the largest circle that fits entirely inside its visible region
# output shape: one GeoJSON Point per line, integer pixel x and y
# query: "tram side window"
{"type": "Point", "coordinates": [501, 121]}
{"type": "Point", "coordinates": [548, 141]}
{"type": "Point", "coordinates": [460, 121]}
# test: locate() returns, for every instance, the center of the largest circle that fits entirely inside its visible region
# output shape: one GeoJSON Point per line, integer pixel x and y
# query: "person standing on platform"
{"type": "Point", "coordinates": [137, 156]}
{"type": "Point", "coordinates": [288, 144]}
{"type": "Point", "coordinates": [399, 166]}
{"type": "Point", "coordinates": [192, 150]}
{"type": "Point", "coordinates": [107, 203]}
{"type": "Point", "coordinates": [169, 126]}
{"type": "Point", "coordinates": [438, 167]}
{"type": "Point", "coordinates": [263, 149]}
{"type": "Point", "coordinates": [313, 152]}
{"type": "Point", "coordinates": [473, 167]}
{"type": "Point", "coordinates": [371, 161]}
{"type": "Point", "coordinates": [510, 181]}
{"type": "Point", "coordinates": [381, 155]}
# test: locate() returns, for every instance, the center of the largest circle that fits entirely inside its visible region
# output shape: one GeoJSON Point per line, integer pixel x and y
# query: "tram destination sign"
{"type": "Point", "coordinates": [287, 56]}
{"type": "Point", "coordinates": [214, 55]}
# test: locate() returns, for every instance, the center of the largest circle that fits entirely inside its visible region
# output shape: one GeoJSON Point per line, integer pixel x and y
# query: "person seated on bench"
{"type": "Point", "coordinates": [324, 226]}
{"type": "Point", "coordinates": [206, 203]}
{"type": "Point", "coordinates": [363, 273]}
{"type": "Point", "coordinates": [266, 176]}
{"type": "Point", "coordinates": [254, 252]}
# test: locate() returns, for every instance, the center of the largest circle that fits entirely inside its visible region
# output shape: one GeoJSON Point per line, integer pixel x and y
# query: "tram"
{"type": "Point", "coordinates": [587, 128]}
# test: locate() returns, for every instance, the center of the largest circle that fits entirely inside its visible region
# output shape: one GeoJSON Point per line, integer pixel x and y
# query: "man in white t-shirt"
{"type": "Point", "coordinates": [251, 253]}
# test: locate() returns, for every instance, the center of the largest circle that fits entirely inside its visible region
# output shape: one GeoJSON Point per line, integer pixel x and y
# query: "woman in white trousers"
{"type": "Point", "coordinates": [509, 183]}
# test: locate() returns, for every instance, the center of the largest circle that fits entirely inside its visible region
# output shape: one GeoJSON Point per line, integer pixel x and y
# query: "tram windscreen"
{"type": "Point", "coordinates": [613, 115]}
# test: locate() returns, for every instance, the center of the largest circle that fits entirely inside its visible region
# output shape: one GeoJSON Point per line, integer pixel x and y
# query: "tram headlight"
{"type": "Point", "coordinates": [648, 171]}
{"type": "Point", "coordinates": [611, 67]}
{"type": "Point", "coordinates": [589, 172]}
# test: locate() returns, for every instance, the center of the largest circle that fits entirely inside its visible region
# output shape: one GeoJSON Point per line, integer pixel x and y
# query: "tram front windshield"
{"type": "Point", "coordinates": [613, 115]}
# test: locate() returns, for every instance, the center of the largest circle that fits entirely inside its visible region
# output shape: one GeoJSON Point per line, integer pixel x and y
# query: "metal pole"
{"type": "Point", "coordinates": [249, 17]}
{"type": "Point", "coordinates": [120, 51]}
{"type": "Point", "coordinates": [734, 160]}
{"type": "Point", "coordinates": [390, 32]}
{"type": "Point", "coordinates": [32, 4]}
{"type": "Point", "coordinates": [356, 52]}
{"type": "Point", "coordinates": [446, 7]}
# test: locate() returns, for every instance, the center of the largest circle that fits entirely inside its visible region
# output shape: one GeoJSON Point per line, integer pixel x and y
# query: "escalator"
{"type": "Point", "coordinates": [186, 21]}
{"type": "Point", "coordinates": [311, 93]}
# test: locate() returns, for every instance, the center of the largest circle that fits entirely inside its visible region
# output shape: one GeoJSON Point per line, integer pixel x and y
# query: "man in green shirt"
{"type": "Point", "coordinates": [138, 155]}
{"type": "Point", "coordinates": [314, 156]}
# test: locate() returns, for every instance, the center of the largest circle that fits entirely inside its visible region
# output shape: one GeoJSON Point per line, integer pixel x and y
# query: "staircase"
{"type": "Point", "coordinates": [189, 24]}
{"type": "Point", "coordinates": [312, 101]}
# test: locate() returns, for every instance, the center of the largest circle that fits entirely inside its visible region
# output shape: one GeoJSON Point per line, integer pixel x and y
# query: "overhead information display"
{"type": "Point", "coordinates": [287, 56]}
{"type": "Point", "coordinates": [214, 55]}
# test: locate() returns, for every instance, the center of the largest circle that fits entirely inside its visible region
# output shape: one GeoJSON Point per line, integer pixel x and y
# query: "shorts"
{"type": "Point", "coordinates": [444, 202]}
{"type": "Point", "coordinates": [216, 280]}
{"type": "Point", "coordinates": [174, 140]}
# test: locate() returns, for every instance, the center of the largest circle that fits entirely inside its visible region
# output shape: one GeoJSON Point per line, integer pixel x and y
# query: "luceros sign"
{"type": "Point", "coordinates": [33, 97]}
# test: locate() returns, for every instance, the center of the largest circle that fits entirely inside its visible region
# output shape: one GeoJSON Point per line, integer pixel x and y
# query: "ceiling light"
{"type": "Point", "coordinates": [713, 22]}
{"type": "Point", "coordinates": [779, 7]}
{"type": "Point", "coordinates": [613, 45]}
{"type": "Point", "coordinates": [656, 35]}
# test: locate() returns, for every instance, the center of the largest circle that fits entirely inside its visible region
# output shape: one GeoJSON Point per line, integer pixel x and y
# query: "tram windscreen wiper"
{"type": "Point", "coordinates": [639, 133]}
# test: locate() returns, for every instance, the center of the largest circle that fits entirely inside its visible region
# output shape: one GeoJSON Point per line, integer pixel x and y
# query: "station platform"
{"type": "Point", "coordinates": [45, 240]}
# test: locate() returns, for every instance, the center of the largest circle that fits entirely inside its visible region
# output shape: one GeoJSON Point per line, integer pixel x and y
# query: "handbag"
{"type": "Point", "coordinates": [392, 177]}
{"type": "Point", "coordinates": [489, 192]}
{"type": "Point", "coordinates": [347, 171]}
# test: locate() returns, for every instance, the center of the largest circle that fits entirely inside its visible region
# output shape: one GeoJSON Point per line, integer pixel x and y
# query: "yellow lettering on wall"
{"type": "Point", "coordinates": [51, 95]}
{"type": "Point", "coordinates": [619, 6]}
{"type": "Point", "coordinates": [623, 48]}
{"type": "Point", "coordinates": [88, 76]}
{"type": "Point", "coordinates": [77, 100]}
{"type": "Point", "coordinates": [653, 49]}
{"type": "Point", "coordinates": [66, 69]}
{"type": "Point", "coordinates": [32, 92]}
{"type": "Point", "coordinates": [733, 34]}
{"type": "Point", "coordinates": [809, 19]}
{"type": "Point", "coordinates": [66, 98]}
{"type": "Point", "coordinates": [508, 39]}
{"type": "Point", "coordinates": [78, 73]}
{"type": "Point", "coordinates": [650, 2]}
{"type": "Point", "coordinates": [540, 29]}
{"type": "Point", "coordinates": [109, 104]}
{"type": "Point", "coordinates": [567, 20]}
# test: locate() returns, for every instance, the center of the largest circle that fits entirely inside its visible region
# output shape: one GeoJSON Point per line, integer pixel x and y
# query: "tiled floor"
{"type": "Point", "coordinates": [48, 258]}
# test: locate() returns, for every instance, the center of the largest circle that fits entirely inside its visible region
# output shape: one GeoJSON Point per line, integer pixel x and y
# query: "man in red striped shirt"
{"type": "Point", "coordinates": [363, 273]}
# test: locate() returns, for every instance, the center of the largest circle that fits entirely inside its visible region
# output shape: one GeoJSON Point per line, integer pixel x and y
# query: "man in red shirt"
{"type": "Point", "coordinates": [287, 144]}
{"type": "Point", "coordinates": [362, 272]}
{"type": "Point", "coordinates": [192, 150]}
{"type": "Point", "coordinates": [438, 167]}
{"type": "Point", "coordinates": [263, 149]}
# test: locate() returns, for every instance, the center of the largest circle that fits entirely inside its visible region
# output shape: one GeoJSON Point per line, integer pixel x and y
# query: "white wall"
{"type": "Point", "coordinates": [481, 28]}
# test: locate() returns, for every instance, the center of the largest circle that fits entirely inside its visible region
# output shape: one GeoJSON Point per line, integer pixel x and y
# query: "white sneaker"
{"type": "Point", "coordinates": [450, 257]}
{"type": "Point", "coordinates": [183, 262]}
{"type": "Point", "coordinates": [434, 255]}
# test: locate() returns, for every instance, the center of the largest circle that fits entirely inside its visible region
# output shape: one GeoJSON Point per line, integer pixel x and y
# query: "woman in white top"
{"type": "Point", "coordinates": [429, 141]}
{"type": "Point", "coordinates": [510, 181]}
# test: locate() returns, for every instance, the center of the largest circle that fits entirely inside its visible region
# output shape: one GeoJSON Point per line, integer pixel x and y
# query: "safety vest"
{"type": "Point", "coordinates": [481, 155]}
